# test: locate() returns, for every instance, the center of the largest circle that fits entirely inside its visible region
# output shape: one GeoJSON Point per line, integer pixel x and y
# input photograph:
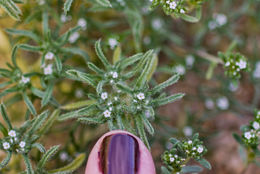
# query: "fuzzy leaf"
{"type": "Point", "coordinates": [67, 5]}
{"type": "Point", "coordinates": [143, 78]}
{"type": "Point", "coordinates": [130, 61]}
{"type": "Point", "coordinates": [100, 54]}
{"type": "Point", "coordinates": [47, 125]}
{"type": "Point", "coordinates": [165, 170]}
{"type": "Point", "coordinates": [77, 51]}
{"type": "Point", "coordinates": [23, 33]}
{"type": "Point", "coordinates": [75, 114]}
{"type": "Point", "coordinates": [47, 156]}
{"type": "Point", "coordinates": [39, 146]}
{"type": "Point", "coordinates": [204, 163]}
{"type": "Point", "coordinates": [191, 169]}
{"type": "Point", "coordinates": [117, 54]}
{"type": "Point", "coordinates": [29, 169]}
{"type": "Point", "coordinates": [166, 100]}
{"type": "Point", "coordinates": [165, 84]}
{"type": "Point", "coordinates": [141, 131]}
{"type": "Point", "coordinates": [82, 77]}
{"type": "Point", "coordinates": [148, 126]}
{"type": "Point", "coordinates": [47, 95]}
{"type": "Point", "coordinates": [92, 120]}
{"type": "Point", "coordinates": [29, 104]}
{"type": "Point", "coordinates": [104, 3]}
{"type": "Point", "coordinates": [38, 121]}
{"type": "Point", "coordinates": [95, 68]}
{"type": "Point", "coordinates": [6, 160]}
{"type": "Point", "coordinates": [5, 116]}
{"type": "Point", "coordinates": [58, 63]}
{"type": "Point", "coordinates": [75, 164]}
{"type": "Point", "coordinates": [11, 9]}
{"type": "Point", "coordinates": [192, 19]}
{"type": "Point", "coordinates": [79, 104]}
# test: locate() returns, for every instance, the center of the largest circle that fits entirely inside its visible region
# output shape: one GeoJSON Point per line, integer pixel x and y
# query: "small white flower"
{"type": "Point", "coordinates": [221, 19]}
{"type": "Point", "coordinates": [115, 98]}
{"type": "Point", "coordinates": [209, 103]}
{"type": "Point", "coordinates": [12, 133]}
{"type": "Point", "coordinates": [189, 142]}
{"type": "Point", "coordinates": [82, 23]}
{"type": "Point", "coordinates": [41, 2]}
{"type": "Point", "coordinates": [110, 108]}
{"type": "Point", "coordinates": [223, 103]}
{"type": "Point", "coordinates": [79, 93]}
{"type": "Point", "coordinates": [109, 103]}
{"type": "Point", "coordinates": [22, 144]}
{"type": "Point", "coordinates": [212, 25]}
{"type": "Point", "coordinates": [233, 87]}
{"type": "Point", "coordinates": [256, 125]}
{"type": "Point", "coordinates": [104, 95]}
{"type": "Point", "coordinates": [65, 18]}
{"type": "Point", "coordinates": [194, 148]}
{"type": "Point", "coordinates": [200, 149]}
{"type": "Point", "coordinates": [48, 69]}
{"type": "Point", "coordinates": [74, 37]}
{"type": "Point", "coordinates": [242, 64]}
{"type": "Point", "coordinates": [180, 69]}
{"type": "Point", "coordinates": [182, 11]}
{"type": "Point", "coordinates": [112, 42]}
{"type": "Point", "coordinates": [25, 80]}
{"type": "Point", "coordinates": [157, 24]}
{"type": "Point", "coordinates": [227, 63]}
{"type": "Point", "coordinates": [147, 40]}
{"type": "Point", "coordinates": [172, 5]}
{"type": "Point", "coordinates": [6, 145]}
{"type": "Point", "coordinates": [172, 159]}
{"type": "Point", "coordinates": [114, 75]}
{"type": "Point", "coordinates": [248, 135]}
{"type": "Point", "coordinates": [140, 96]}
{"type": "Point", "coordinates": [107, 113]}
{"type": "Point", "coordinates": [49, 56]}
{"type": "Point", "coordinates": [256, 73]}
{"type": "Point", "coordinates": [64, 156]}
{"type": "Point", "coordinates": [189, 60]}
{"type": "Point", "coordinates": [187, 130]}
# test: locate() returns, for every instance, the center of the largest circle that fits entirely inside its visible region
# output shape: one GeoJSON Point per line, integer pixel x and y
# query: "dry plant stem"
{"type": "Point", "coordinates": [209, 57]}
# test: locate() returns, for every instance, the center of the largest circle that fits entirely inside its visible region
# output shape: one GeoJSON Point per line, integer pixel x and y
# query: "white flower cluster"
{"type": "Point", "coordinates": [249, 135]}
{"type": "Point", "coordinates": [175, 159]}
{"type": "Point", "coordinates": [217, 21]}
{"type": "Point", "coordinates": [256, 73]}
{"type": "Point", "coordinates": [241, 64]}
{"type": "Point", "coordinates": [13, 139]}
{"type": "Point", "coordinates": [25, 80]}
{"type": "Point", "coordinates": [121, 2]}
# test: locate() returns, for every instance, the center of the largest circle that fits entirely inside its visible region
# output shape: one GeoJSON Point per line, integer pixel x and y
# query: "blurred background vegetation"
{"type": "Point", "coordinates": [214, 105]}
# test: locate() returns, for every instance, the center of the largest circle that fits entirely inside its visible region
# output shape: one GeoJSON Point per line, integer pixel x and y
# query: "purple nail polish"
{"type": "Point", "coordinates": [120, 154]}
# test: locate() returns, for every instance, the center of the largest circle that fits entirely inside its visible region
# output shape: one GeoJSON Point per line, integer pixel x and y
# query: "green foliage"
{"type": "Point", "coordinates": [118, 100]}
{"type": "Point", "coordinates": [11, 8]}
{"type": "Point", "coordinates": [180, 8]}
{"type": "Point", "coordinates": [181, 152]}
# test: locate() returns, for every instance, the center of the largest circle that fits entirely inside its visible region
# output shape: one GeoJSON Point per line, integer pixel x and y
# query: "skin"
{"type": "Point", "coordinates": [146, 161]}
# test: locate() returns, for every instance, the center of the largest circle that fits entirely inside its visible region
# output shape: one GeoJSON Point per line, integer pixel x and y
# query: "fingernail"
{"type": "Point", "coordinates": [120, 152]}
